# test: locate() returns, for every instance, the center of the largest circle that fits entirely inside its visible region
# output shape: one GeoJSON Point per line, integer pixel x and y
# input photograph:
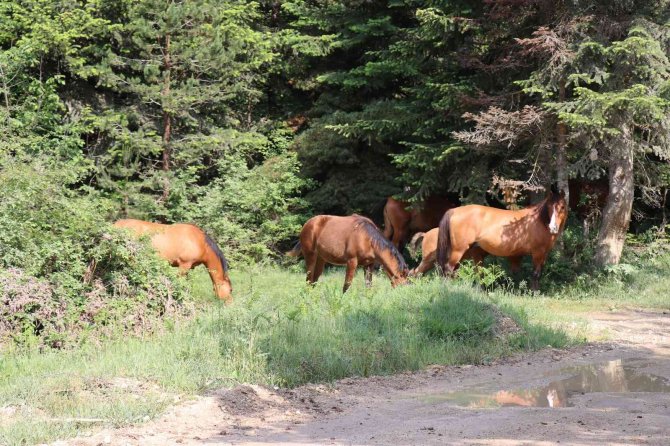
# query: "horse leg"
{"type": "Point", "coordinates": [454, 260]}
{"type": "Point", "coordinates": [352, 264]}
{"type": "Point", "coordinates": [426, 264]}
{"type": "Point", "coordinates": [310, 263]}
{"type": "Point", "coordinates": [538, 263]}
{"type": "Point", "coordinates": [515, 266]}
{"type": "Point", "coordinates": [368, 275]}
{"type": "Point", "coordinates": [400, 235]}
{"type": "Point", "coordinates": [184, 267]}
{"type": "Point", "coordinates": [318, 268]}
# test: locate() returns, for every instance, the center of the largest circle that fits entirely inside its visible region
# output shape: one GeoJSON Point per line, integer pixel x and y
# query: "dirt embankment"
{"type": "Point", "coordinates": [612, 393]}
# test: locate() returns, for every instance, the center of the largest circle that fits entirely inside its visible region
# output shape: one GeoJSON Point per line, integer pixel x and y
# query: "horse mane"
{"type": "Point", "coordinates": [212, 244]}
{"type": "Point", "coordinates": [543, 208]}
{"type": "Point", "coordinates": [378, 240]}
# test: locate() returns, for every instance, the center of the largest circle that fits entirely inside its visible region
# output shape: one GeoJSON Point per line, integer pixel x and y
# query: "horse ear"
{"type": "Point", "coordinates": [554, 188]}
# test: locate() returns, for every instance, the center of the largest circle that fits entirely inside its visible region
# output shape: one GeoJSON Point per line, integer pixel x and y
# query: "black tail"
{"type": "Point", "coordinates": [212, 244]}
{"type": "Point", "coordinates": [444, 242]}
{"type": "Point", "coordinates": [296, 251]}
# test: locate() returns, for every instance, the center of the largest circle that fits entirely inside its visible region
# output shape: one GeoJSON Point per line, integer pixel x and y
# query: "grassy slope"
{"type": "Point", "coordinates": [281, 332]}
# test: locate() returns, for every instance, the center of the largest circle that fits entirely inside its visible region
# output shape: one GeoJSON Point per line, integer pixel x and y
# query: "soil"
{"type": "Point", "coordinates": [460, 405]}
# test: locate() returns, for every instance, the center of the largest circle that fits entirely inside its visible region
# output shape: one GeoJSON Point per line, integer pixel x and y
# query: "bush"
{"type": "Point", "coordinates": [251, 211]}
{"type": "Point", "coordinates": [65, 270]}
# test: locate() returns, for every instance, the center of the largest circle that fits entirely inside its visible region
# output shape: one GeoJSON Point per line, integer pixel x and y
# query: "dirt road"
{"type": "Point", "coordinates": [613, 393]}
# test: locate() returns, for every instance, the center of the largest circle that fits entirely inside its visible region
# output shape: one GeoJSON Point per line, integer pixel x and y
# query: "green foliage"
{"type": "Point", "coordinates": [193, 90]}
{"type": "Point", "coordinates": [63, 273]}
{"type": "Point", "coordinates": [485, 276]}
{"type": "Point", "coordinates": [388, 87]}
{"type": "Point", "coordinates": [457, 318]}
{"type": "Point", "coordinates": [250, 210]}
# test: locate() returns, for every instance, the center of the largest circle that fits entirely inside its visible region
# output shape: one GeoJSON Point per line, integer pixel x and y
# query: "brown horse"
{"type": "Point", "coordinates": [428, 242]}
{"type": "Point", "coordinates": [352, 241]}
{"type": "Point", "coordinates": [401, 222]}
{"type": "Point", "coordinates": [186, 246]}
{"type": "Point", "coordinates": [530, 231]}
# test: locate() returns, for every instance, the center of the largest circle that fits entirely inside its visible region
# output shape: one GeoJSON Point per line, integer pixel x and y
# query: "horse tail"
{"type": "Point", "coordinates": [444, 242]}
{"type": "Point", "coordinates": [296, 251]}
{"type": "Point", "coordinates": [214, 247]}
{"type": "Point", "coordinates": [414, 243]}
{"type": "Point", "coordinates": [388, 227]}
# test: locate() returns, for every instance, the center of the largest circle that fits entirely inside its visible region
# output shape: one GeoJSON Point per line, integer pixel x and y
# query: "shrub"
{"type": "Point", "coordinates": [64, 270]}
{"type": "Point", "coordinates": [251, 211]}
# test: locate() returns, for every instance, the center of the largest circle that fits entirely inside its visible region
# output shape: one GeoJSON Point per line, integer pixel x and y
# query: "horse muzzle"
{"type": "Point", "coordinates": [224, 291]}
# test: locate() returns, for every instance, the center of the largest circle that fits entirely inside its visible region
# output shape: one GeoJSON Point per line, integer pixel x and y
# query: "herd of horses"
{"type": "Point", "coordinates": [449, 235]}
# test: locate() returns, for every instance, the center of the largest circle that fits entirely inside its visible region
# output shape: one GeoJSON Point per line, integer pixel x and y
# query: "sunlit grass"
{"type": "Point", "coordinates": [279, 331]}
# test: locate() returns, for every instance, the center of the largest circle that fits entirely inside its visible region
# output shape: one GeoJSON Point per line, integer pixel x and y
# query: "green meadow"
{"type": "Point", "coordinates": [280, 332]}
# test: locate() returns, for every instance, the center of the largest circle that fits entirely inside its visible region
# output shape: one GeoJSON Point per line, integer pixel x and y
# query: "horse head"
{"type": "Point", "coordinates": [557, 209]}
{"type": "Point", "coordinates": [224, 290]}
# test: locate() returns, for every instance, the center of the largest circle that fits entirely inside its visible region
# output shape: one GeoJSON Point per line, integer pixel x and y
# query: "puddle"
{"type": "Point", "coordinates": [612, 377]}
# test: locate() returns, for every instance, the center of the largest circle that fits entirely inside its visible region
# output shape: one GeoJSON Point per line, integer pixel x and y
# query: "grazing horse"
{"type": "Point", "coordinates": [352, 241]}
{"type": "Point", "coordinates": [428, 242]}
{"type": "Point", "coordinates": [185, 246]}
{"type": "Point", "coordinates": [400, 223]}
{"type": "Point", "coordinates": [504, 233]}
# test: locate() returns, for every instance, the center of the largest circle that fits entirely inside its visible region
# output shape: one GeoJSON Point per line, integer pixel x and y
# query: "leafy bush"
{"type": "Point", "coordinates": [251, 211]}
{"type": "Point", "coordinates": [486, 276]}
{"type": "Point", "coordinates": [64, 270]}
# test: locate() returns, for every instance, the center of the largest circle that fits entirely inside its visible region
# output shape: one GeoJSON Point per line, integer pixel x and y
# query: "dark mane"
{"type": "Point", "coordinates": [212, 244]}
{"type": "Point", "coordinates": [543, 206]}
{"type": "Point", "coordinates": [379, 241]}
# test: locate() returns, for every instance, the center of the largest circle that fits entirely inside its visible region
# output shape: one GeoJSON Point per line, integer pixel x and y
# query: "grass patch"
{"type": "Point", "coordinates": [281, 332]}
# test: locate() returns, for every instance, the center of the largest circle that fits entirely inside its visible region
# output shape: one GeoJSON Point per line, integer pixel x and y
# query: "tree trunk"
{"type": "Point", "coordinates": [619, 205]}
{"type": "Point", "coordinates": [167, 117]}
{"type": "Point", "coordinates": [561, 149]}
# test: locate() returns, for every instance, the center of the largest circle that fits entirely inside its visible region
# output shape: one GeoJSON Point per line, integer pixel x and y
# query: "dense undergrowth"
{"type": "Point", "coordinates": [65, 275]}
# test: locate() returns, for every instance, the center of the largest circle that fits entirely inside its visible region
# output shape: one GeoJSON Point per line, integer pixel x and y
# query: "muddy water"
{"type": "Point", "coordinates": [618, 376]}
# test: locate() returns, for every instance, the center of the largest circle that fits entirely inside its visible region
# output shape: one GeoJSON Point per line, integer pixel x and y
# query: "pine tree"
{"type": "Point", "coordinates": [192, 72]}
{"type": "Point", "coordinates": [388, 87]}
{"type": "Point", "coordinates": [621, 113]}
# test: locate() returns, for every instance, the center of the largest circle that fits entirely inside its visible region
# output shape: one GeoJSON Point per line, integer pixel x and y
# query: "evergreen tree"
{"type": "Point", "coordinates": [621, 113]}
{"type": "Point", "coordinates": [191, 74]}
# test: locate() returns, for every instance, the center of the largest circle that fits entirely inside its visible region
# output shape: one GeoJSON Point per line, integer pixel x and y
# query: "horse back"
{"type": "Point", "coordinates": [181, 243]}
{"type": "Point", "coordinates": [335, 238]}
{"type": "Point", "coordinates": [139, 227]}
{"type": "Point", "coordinates": [500, 232]}
{"type": "Point", "coordinates": [429, 215]}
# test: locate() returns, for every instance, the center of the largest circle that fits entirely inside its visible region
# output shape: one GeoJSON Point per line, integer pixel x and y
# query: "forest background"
{"type": "Point", "coordinates": [248, 117]}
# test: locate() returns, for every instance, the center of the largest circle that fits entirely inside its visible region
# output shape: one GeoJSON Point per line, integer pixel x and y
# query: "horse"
{"type": "Point", "coordinates": [504, 233]}
{"type": "Point", "coordinates": [400, 223]}
{"type": "Point", "coordinates": [352, 241]}
{"type": "Point", "coordinates": [185, 246]}
{"type": "Point", "coordinates": [428, 242]}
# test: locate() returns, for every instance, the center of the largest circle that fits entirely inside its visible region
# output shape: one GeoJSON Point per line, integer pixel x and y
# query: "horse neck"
{"type": "Point", "coordinates": [388, 261]}
{"type": "Point", "coordinates": [216, 271]}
